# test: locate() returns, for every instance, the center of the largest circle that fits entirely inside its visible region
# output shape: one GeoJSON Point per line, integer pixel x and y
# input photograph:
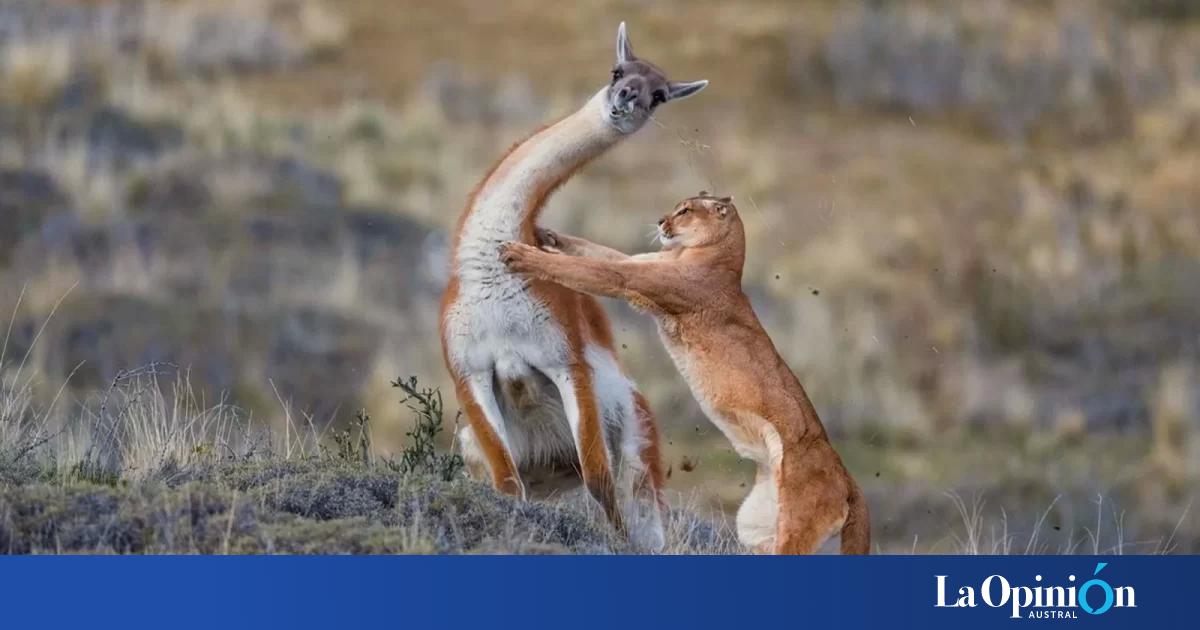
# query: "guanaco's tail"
{"type": "Point", "coordinates": [856, 532]}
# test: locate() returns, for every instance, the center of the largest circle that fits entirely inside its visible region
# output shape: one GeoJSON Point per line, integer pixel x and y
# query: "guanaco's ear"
{"type": "Point", "coordinates": [624, 49]}
{"type": "Point", "coordinates": [684, 89]}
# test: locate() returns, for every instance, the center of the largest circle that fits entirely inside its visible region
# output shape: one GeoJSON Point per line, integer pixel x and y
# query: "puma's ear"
{"type": "Point", "coordinates": [726, 199]}
{"type": "Point", "coordinates": [723, 209]}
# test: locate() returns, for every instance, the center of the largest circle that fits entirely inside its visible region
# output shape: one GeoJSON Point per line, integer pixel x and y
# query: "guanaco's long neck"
{"type": "Point", "coordinates": [509, 201]}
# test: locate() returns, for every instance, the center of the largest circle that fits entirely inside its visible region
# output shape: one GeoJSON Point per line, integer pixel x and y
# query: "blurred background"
{"type": "Point", "coordinates": [974, 227]}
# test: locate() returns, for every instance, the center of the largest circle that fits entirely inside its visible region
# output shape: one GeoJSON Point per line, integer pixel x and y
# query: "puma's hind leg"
{"type": "Point", "coordinates": [813, 502]}
{"type": "Point", "coordinates": [758, 516]}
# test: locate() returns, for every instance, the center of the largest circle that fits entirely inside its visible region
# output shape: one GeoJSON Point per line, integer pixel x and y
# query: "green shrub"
{"type": "Point", "coordinates": [421, 456]}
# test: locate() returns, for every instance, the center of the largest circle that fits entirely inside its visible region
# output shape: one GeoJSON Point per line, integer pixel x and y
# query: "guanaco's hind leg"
{"type": "Point", "coordinates": [477, 395]}
{"type": "Point", "coordinates": [640, 479]}
{"type": "Point", "coordinates": [574, 385]}
{"type": "Point", "coordinates": [651, 484]}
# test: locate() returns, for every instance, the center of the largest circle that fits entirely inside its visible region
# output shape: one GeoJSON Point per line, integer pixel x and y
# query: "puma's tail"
{"type": "Point", "coordinates": [856, 532]}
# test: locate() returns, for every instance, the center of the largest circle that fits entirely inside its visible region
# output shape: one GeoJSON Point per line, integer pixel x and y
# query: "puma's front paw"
{"type": "Point", "coordinates": [548, 239]}
{"type": "Point", "coordinates": [519, 257]}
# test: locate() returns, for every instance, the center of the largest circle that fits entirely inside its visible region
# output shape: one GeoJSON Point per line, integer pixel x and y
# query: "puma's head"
{"type": "Point", "coordinates": [699, 221]}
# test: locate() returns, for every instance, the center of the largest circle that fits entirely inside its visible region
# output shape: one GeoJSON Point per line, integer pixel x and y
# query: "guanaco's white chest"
{"type": "Point", "coordinates": [496, 323]}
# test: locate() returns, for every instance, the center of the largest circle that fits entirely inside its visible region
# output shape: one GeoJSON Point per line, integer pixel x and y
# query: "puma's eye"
{"type": "Point", "coordinates": [659, 97]}
{"type": "Point", "coordinates": [617, 73]}
{"type": "Point", "coordinates": [682, 211]}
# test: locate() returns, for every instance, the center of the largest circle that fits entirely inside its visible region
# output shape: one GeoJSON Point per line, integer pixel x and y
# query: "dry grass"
{"type": "Point", "coordinates": [148, 470]}
{"type": "Point", "coordinates": [146, 466]}
{"type": "Point", "coordinates": [1106, 535]}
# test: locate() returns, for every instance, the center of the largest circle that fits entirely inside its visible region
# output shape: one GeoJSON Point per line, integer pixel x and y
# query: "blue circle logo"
{"type": "Point", "coordinates": [1097, 583]}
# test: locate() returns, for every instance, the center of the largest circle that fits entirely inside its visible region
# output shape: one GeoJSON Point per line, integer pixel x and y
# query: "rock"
{"type": "Point", "coordinates": [115, 136]}
{"type": "Point", "coordinates": [283, 185]}
{"type": "Point", "coordinates": [173, 192]}
{"type": "Point", "coordinates": [401, 260]}
{"type": "Point", "coordinates": [319, 358]}
{"type": "Point", "coordinates": [27, 198]}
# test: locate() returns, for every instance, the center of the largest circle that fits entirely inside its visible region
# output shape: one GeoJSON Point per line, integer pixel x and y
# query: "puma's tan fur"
{"type": "Point", "coordinates": [802, 494]}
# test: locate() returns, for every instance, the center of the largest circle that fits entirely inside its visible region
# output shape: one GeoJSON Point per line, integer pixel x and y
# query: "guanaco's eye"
{"type": "Point", "coordinates": [617, 73]}
{"type": "Point", "coordinates": [659, 97]}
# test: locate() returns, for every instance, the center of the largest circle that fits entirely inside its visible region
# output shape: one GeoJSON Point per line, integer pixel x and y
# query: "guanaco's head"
{"type": "Point", "coordinates": [638, 87]}
{"type": "Point", "coordinates": [699, 221]}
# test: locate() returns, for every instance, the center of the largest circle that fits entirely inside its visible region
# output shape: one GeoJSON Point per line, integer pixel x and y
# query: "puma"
{"type": "Point", "coordinates": [693, 287]}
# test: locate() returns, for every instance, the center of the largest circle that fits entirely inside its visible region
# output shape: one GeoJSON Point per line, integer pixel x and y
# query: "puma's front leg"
{"type": "Point", "coordinates": [586, 275]}
{"type": "Point", "coordinates": [652, 285]}
{"type": "Point", "coordinates": [574, 246]}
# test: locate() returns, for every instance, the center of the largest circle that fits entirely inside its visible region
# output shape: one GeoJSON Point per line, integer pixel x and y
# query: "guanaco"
{"type": "Point", "coordinates": [533, 363]}
{"type": "Point", "coordinates": [802, 494]}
